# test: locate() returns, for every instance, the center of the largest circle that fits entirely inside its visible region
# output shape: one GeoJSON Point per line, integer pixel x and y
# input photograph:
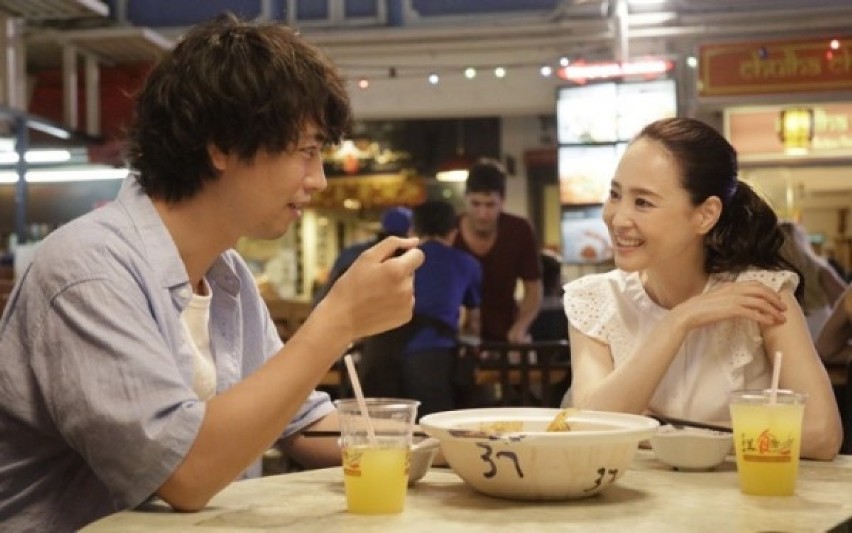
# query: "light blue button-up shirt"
{"type": "Point", "coordinates": [96, 400]}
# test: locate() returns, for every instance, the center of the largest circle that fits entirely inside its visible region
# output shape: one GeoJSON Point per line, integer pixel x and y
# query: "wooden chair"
{"type": "Point", "coordinates": [528, 374]}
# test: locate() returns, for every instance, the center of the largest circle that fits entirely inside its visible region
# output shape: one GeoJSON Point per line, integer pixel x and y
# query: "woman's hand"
{"type": "Point", "coordinates": [751, 300]}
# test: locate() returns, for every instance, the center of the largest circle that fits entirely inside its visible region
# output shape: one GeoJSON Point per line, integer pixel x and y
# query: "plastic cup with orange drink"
{"type": "Point", "coordinates": [767, 438]}
{"type": "Point", "coordinates": [376, 453]}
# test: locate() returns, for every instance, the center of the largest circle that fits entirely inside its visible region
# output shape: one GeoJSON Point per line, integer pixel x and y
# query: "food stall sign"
{"type": "Point", "coordinates": [582, 72]}
{"type": "Point", "coordinates": [764, 67]}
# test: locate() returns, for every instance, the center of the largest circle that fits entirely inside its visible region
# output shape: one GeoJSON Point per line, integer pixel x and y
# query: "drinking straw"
{"type": "Point", "coordinates": [359, 396]}
{"type": "Point", "coordinates": [776, 375]}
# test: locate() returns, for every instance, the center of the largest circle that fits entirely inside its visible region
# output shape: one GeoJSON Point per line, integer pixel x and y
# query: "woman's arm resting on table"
{"type": "Point", "coordinates": [803, 371]}
{"type": "Point", "coordinates": [630, 387]}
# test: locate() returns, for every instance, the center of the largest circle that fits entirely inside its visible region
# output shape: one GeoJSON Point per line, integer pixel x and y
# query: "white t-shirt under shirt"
{"type": "Point", "coordinates": [714, 360]}
{"type": "Point", "coordinates": [196, 322]}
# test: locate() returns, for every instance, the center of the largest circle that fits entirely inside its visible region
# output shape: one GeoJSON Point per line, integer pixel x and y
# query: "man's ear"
{"type": "Point", "coordinates": [707, 214]}
{"type": "Point", "coordinates": [218, 158]}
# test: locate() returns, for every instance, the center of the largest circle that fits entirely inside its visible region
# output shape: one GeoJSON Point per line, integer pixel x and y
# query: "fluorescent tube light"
{"type": "Point", "coordinates": [66, 175]}
{"type": "Point", "coordinates": [36, 156]}
{"type": "Point", "coordinates": [49, 129]}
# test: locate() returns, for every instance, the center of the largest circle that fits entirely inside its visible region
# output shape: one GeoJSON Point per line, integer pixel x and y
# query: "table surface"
{"type": "Point", "coordinates": [649, 497]}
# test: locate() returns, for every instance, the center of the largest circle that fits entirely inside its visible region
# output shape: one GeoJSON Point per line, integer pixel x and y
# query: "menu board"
{"type": "Point", "coordinates": [585, 173]}
{"type": "Point", "coordinates": [587, 114]}
{"type": "Point", "coordinates": [594, 124]}
{"type": "Point", "coordinates": [639, 104]}
{"type": "Point", "coordinates": [585, 238]}
{"type": "Point", "coordinates": [611, 112]}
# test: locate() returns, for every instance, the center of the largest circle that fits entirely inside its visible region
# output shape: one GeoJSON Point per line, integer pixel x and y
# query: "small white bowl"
{"type": "Point", "coordinates": [689, 448]}
{"type": "Point", "coordinates": [422, 455]}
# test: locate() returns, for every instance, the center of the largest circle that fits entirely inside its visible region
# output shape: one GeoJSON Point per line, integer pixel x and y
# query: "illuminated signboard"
{"type": "Point", "coordinates": [582, 72]}
{"type": "Point", "coordinates": [765, 67]}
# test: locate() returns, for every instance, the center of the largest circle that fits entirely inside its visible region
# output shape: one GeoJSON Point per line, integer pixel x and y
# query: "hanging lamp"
{"type": "Point", "coordinates": [456, 167]}
{"type": "Point", "coordinates": [796, 129]}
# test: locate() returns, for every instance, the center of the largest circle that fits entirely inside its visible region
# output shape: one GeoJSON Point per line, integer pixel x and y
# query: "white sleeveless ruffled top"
{"type": "Point", "coordinates": [714, 360]}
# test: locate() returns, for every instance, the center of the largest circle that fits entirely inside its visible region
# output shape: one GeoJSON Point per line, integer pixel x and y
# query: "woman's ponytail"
{"type": "Point", "coordinates": [746, 235]}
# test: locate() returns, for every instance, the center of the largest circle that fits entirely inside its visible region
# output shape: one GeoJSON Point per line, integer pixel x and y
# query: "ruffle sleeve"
{"type": "Point", "coordinates": [744, 336]}
{"type": "Point", "coordinates": [775, 279]}
{"type": "Point", "coordinates": [589, 305]}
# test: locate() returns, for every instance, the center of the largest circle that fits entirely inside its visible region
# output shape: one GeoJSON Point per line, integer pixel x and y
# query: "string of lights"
{"type": "Point", "coordinates": [578, 69]}
{"type": "Point", "coordinates": [432, 74]}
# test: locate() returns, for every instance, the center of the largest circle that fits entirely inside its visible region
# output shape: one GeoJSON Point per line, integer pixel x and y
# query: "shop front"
{"type": "Point", "coordinates": [785, 107]}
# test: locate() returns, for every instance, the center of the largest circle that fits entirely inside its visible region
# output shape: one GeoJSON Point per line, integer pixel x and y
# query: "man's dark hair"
{"type": "Point", "coordinates": [434, 218]}
{"type": "Point", "coordinates": [486, 176]}
{"type": "Point", "coordinates": [240, 86]}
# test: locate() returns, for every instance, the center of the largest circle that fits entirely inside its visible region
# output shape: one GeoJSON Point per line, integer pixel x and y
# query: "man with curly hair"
{"type": "Point", "coordinates": [137, 358]}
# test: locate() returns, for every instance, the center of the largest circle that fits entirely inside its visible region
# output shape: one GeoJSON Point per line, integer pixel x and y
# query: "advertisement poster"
{"type": "Point", "coordinates": [585, 238]}
{"type": "Point", "coordinates": [585, 173]}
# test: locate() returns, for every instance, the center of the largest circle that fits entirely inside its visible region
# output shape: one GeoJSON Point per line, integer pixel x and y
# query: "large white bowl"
{"type": "Point", "coordinates": [531, 463]}
{"type": "Point", "coordinates": [691, 448]}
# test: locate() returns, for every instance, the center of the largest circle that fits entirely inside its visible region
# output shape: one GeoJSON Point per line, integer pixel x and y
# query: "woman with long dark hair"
{"type": "Point", "coordinates": [700, 300]}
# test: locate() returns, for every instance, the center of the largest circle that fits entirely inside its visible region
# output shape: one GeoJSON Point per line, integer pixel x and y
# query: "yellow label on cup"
{"type": "Point", "coordinates": [375, 479]}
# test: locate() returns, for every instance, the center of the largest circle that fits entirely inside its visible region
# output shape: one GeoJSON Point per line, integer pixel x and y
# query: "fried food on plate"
{"type": "Point", "coordinates": [560, 421]}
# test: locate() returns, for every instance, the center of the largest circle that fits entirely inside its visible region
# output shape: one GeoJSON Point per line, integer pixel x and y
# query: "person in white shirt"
{"type": "Point", "coordinates": [700, 301]}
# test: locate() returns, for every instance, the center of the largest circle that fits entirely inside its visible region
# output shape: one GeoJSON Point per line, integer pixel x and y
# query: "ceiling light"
{"type": "Point", "coordinates": [352, 204]}
{"type": "Point", "coordinates": [456, 167]}
{"type": "Point", "coordinates": [50, 129]}
{"type": "Point", "coordinates": [651, 19]}
{"type": "Point", "coordinates": [66, 175]}
{"type": "Point", "coordinates": [36, 156]}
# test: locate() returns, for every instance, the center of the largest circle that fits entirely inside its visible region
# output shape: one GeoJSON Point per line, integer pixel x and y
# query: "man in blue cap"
{"type": "Point", "coordinates": [395, 221]}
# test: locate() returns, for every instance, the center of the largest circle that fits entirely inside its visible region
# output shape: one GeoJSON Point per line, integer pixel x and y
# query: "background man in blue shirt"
{"type": "Point", "coordinates": [418, 360]}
